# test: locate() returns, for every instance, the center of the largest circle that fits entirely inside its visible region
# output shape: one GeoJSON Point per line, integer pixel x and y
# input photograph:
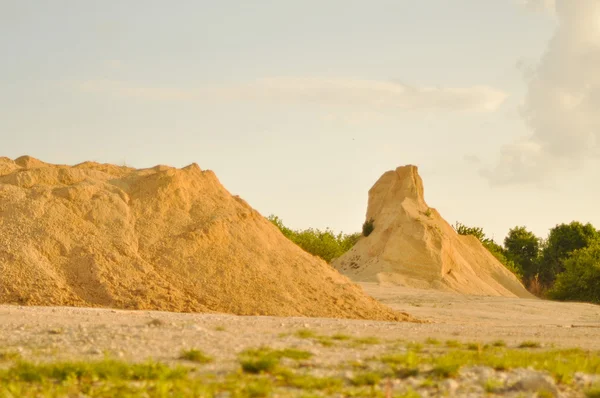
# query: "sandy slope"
{"type": "Point", "coordinates": [97, 235]}
{"type": "Point", "coordinates": [412, 245]}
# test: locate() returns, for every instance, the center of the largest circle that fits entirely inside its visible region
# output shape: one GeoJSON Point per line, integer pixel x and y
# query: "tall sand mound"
{"type": "Point", "coordinates": [160, 238]}
{"type": "Point", "coordinates": [412, 245]}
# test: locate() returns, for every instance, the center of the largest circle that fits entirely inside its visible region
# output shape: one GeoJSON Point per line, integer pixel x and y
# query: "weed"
{"type": "Point", "coordinates": [340, 337]}
{"type": "Point", "coordinates": [195, 355]}
{"type": "Point", "coordinates": [366, 379]}
{"type": "Point", "coordinates": [593, 392]}
{"type": "Point", "coordinates": [493, 385]}
{"type": "Point", "coordinates": [367, 340]}
{"type": "Point", "coordinates": [530, 344]}
{"type": "Point", "coordinates": [306, 334]}
{"type": "Point", "coordinates": [499, 343]}
{"type": "Point", "coordinates": [453, 343]}
{"type": "Point", "coordinates": [432, 341]}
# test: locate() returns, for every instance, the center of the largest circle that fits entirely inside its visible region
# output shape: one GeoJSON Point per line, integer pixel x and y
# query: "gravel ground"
{"type": "Point", "coordinates": [57, 333]}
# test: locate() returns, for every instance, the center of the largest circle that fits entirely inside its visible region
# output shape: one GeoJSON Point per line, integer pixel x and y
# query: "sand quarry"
{"type": "Point", "coordinates": [173, 248]}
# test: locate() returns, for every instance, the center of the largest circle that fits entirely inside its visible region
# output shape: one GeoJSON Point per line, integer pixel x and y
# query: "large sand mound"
{"type": "Point", "coordinates": [161, 238]}
{"type": "Point", "coordinates": [413, 246]}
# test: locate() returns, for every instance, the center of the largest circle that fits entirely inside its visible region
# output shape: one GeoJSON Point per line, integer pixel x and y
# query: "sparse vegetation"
{"type": "Point", "coordinates": [195, 355]}
{"type": "Point", "coordinates": [264, 374]}
{"type": "Point", "coordinates": [530, 344]}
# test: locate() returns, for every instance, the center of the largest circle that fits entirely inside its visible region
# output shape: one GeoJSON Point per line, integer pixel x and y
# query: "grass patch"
{"type": "Point", "coordinates": [432, 341]}
{"type": "Point", "coordinates": [493, 385]}
{"type": "Point", "coordinates": [308, 382]}
{"type": "Point", "coordinates": [366, 379]}
{"type": "Point", "coordinates": [306, 334]}
{"type": "Point", "coordinates": [367, 341]}
{"type": "Point", "coordinates": [102, 370]}
{"type": "Point", "coordinates": [195, 355]}
{"type": "Point", "coordinates": [340, 337]}
{"type": "Point", "coordinates": [453, 344]}
{"type": "Point", "coordinates": [593, 392]}
{"type": "Point", "coordinates": [266, 360]}
{"type": "Point", "coordinates": [530, 344]}
{"type": "Point", "coordinates": [220, 328]}
{"type": "Point", "coordinates": [9, 356]}
{"type": "Point", "coordinates": [499, 343]}
{"type": "Point", "coordinates": [474, 347]}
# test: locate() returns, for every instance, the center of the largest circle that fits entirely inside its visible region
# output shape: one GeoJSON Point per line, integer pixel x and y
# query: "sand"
{"type": "Point", "coordinates": [413, 246]}
{"type": "Point", "coordinates": [98, 235]}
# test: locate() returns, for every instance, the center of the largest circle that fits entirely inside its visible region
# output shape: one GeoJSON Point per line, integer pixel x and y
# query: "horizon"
{"type": "Point", "coordinates": [300, 107]}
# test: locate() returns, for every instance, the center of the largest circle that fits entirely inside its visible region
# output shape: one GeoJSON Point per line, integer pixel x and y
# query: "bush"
{"type": "Point", "coordinates": [325, 244]}
{"type": "Point", "coordinates": [580, 280]}
{"type": "Point", "coordinates": [368, 227]}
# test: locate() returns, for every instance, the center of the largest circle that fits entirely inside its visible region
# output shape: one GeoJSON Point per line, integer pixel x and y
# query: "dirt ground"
{"type": "Point", "coordinates": [70, 333]}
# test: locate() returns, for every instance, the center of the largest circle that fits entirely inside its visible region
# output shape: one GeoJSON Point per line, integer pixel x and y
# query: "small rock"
{"type": "Point", "coordinates": [450, 385]}
{"type": "Point", "coordinates": [536, 383]}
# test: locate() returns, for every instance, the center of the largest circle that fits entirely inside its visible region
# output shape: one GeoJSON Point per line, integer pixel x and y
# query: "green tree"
{"type": "Point", "coordinates": [523, 248]}
{"type": "Point", "coordinates": [563, 240]}
{"type": "Point", "coordinates": [580, 280]}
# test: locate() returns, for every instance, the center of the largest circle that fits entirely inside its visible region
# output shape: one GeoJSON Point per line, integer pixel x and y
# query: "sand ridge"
{"type": "Point", "coordinates": [162, 239]}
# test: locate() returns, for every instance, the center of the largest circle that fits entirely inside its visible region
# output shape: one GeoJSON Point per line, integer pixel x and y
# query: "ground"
{"type": "Point", "coordinates": [337, 357]}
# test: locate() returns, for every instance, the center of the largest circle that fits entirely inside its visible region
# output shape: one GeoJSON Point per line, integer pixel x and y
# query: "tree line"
{"type": "Point", "coordinates": [563, 266]}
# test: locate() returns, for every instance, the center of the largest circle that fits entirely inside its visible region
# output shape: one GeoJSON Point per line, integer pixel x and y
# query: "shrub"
{"type": "Point", "coordinates": [325, 244]}
{"type": "Point", "coordinates": [368, 227]}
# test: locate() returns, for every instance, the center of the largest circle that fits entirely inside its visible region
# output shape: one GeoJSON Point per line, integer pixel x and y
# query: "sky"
{"type": "Point", "coordinates": [300, 106]}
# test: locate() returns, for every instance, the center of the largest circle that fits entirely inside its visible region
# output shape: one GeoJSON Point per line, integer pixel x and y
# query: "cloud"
{"type": "Point", "coordinates": [540, 5]}
{"type": "Point", "coordinates": [366, 94]}
{"type": "Point", "coordinates": [372, 94]}
{"type": "Point", "coordinates": [128, 90]}
{"type": "Point", "coordinates": [562, 102]}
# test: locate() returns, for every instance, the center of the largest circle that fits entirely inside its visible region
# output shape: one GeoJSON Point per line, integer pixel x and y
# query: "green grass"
{"type": "Point", "coordinates": [266, 360]}
{"type": "Point", "coordinates": [530, 344]}
{"type": "Point", "coordinates": [493, 385]}
{"type": "Point", "coordinates": [262, 373]}
{"type": "Point", "coordinates": [9, 356]}
{"type": "Point", "coordinates": [102, 370]}
{"type": "Point", "coordinates": [306, 334]}
{"type": "Point", "coordinates": [431, 341]}
{"type": "Point", "coordinates": [366, 341]}
{"type": "Point", "coordinates": [195, 355]}
{"type": "Point", "coordinates": [453, 343]}
{"type": "Point", "coordinates": [593, 392]}
{"type": "Point", "coordinates": [499, 343]}
{"type": "Point", "coordinates": [366, 379]}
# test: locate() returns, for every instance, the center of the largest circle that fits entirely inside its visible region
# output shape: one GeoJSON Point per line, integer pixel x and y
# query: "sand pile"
{"type": "Point", "coordinates": [161, 238]}
{"type": "Point", "coordinates": [413, 246]}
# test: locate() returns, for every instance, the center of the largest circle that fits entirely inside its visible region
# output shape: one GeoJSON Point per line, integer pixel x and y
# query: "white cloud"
{"type": "Point", "coordinates": [372, 94]}
{"type": "Point", "coordinates": [562, 101]}
{"type": "Point", "coordinates": [367, 94]}
{"type": "Point", "coordinates": [540, 5]}
{"type": "Point", "coordinates": [125, 89]}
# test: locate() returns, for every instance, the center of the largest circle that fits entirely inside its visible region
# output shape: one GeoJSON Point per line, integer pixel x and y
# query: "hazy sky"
{"type": "Point", "coordinates": [299, 106]}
